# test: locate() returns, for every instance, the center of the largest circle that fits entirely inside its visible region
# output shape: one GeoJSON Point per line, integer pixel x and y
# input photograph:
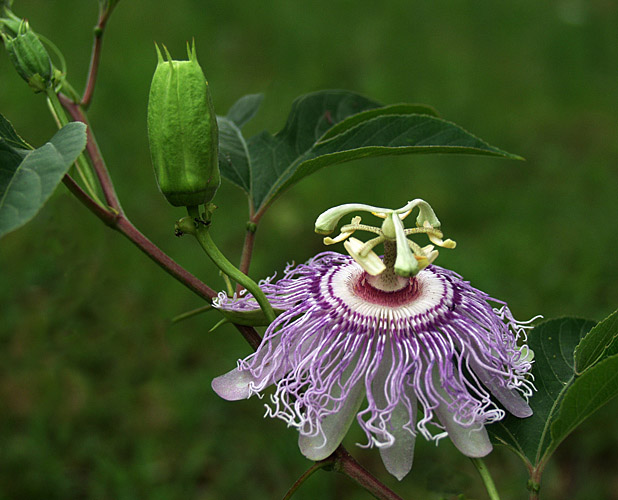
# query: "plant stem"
{"type": "Point", "coordinates": [120, 223]}
{"type": "Point", "coordinates": [190, 314]}
{"type": "Point", "coordinates": [486, 477]}
{"type": "Point", "coordinates": [202, 234]}
{"type": "Point", "coordinates": [247, 250]}
{"type": "Point", "coordinates": [93, 151]}
{"type": "Point", "coordinates": [81, 164]}
{"type": "Point", "coordinates": [534, 483]}
{"type": "Point", "coordinates": [308, 473]}
{"type": "Point", "coordinates": [346, 464]}
{"type": "Point", "coordinates": [95, 57]}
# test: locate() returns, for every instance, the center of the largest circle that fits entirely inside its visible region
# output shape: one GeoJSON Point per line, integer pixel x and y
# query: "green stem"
{"type": "Point", "coordinates": [82, 165]}
{"type": "Point", "coordinates": [203, 237]}
{"type": "Point", "coordinates": [534, 483]}
{"type": "Point", "coordinates": [190, 314]}
{"type": "Point", "coordinates": [307, 474]}
{"type": "Point", "coordinates": [486, 477]}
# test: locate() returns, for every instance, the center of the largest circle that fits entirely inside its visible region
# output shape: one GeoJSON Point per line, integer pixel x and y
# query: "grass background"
{"type": "Point", "coordinates": [101, 397]}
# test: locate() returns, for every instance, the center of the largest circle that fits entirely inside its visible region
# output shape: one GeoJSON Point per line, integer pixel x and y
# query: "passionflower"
{"type": "Point", "coordinates": [380, 339]}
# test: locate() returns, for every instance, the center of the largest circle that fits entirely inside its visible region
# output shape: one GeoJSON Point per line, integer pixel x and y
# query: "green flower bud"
{"type": "Point", "coordinates": [28, 55]}
{"type": "Point", "coordinates": [182, 132]}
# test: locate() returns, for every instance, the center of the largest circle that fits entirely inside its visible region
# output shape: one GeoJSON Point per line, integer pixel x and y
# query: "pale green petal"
{"type": "Point", "coordinates": [234, 385]}
{"type": "Point", "coordinates": [399, 456]}
{"type": "Point", "coordinates": [334, 427]}
{"type": "Point", "coordinates": [471, 441]}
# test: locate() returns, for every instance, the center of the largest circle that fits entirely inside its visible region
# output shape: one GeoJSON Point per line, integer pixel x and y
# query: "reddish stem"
{"type": "Point", "coordinates": [247, 250]}
{"type": "Point", "coordinates": [95, 57]}
{"type": "Point", "coordinates": [346, 464]}
{"type": "Point", "coordinates": [120, 223]}
{"type": "Point", "coordinates": [94, 153]}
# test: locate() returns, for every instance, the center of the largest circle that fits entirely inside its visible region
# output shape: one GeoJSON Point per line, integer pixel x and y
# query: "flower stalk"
{"type": "Point", "coordinates": [486, 477]}
{"type": "Point", "coordinates": [202, 234]}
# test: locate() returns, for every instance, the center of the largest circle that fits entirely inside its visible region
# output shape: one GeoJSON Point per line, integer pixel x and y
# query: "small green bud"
{"type": "Point", "coordinates": [182, 132]}
{"type": "Point", "coordinates": [186, 225]}
{"type": "Point", "coordinates": [28, 55]}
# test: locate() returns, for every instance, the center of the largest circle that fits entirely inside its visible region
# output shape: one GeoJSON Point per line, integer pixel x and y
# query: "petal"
{"type": "Point", "coordinates": [399, 456]}
{"type": "Point", "coordinates": [234, 385]}
{"type": "Point", "coordinates": [334, 427]}
{"type": "Point", "coordinates": [509, 398]}
{"type": "Point", "coordinates": [471, 441]}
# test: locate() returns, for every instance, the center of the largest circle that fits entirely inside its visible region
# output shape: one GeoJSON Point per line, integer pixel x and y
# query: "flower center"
{"type": "Point", "coordinates": [406, 293]}
{"type": "Point", "coordinates": [347, 291]}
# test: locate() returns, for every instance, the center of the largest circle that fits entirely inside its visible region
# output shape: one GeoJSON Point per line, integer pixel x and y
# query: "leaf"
{"type": "Point", "coordinates": [387, 135]}
{"type": "Point", "coordinates": [595, 387]}
{"type": "Point", "coordinates": [244, 109]}
{"type": "Point", "coordinates": [10, 137]}
{"type": "Point", "coordinates": [594, 346]}
{"type": "Point", "coordinates": [234, 161]}
{"type": "Point", "coordinates": [27, 180]}
{"type": "Point", "coordinates": [553, 343]}
{"type": "Point", "coordinates": [311, 116]}
{"type": "Point", "coordinates": [327, 128]}
{"type": "Point", "coordinates": [394, 109]}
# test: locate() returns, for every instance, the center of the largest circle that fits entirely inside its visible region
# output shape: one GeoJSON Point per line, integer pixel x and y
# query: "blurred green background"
{"type": "Point", "coordinates": [101, 397]}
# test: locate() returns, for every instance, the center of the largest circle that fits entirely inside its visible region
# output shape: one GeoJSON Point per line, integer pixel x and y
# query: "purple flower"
{"type": "Point", "coordinates": [344, 347]}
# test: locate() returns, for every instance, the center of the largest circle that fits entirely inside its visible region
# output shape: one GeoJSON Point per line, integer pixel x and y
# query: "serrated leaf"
{"type": "Point", "coordinates": [244, 109]}
{"type": "Point", "coordinates": [594, 346]}
{"type": "Point", "coordinates": [393, 109]}
{"type": "Point", "coordinates": [28, 180]}
{"type": "Point", "coordinates": [334, 126]}
{"type": "Point", "coordinates": [234, 161]}
{"type": "Point", "coordinates": [311, 116]}
{"type": "Point", "coordinates": [553, 343]}
{"type": "Point", "coordinates": [590, 391]}
{"type": "Point", "coordinates": [327, 128]}
{"type": "Point", "coordinates": [387, 135]}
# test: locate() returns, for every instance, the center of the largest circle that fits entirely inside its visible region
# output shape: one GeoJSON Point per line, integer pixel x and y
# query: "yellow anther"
{"type": "Point", "coordinates": [342, 237]}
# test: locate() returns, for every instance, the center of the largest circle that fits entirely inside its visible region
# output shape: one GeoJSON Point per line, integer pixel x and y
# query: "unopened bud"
{"type": "Point", "coordinates": [182, 132]}
{"type": "Point", "coordinates": [28, 55]}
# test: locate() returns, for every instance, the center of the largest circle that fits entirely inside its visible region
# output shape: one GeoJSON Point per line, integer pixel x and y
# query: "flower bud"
{"type": "Point", "coordinates": [182, 132]}
{"type": "Point", "coordinates": [28, 55]}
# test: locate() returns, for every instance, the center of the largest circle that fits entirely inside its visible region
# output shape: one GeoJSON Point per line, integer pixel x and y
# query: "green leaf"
{"type": "Point", "coordinates": [595, 387]}
{"type": "Point", "coordinates": [327, 128]}
{"type": "Point", "coordinates": [394, 109]}
{"type": "Point", "coordinates": [244, 109]}
{"type": "Point", "coordinates": [553, 343]}
{"type": "Point", "coordinates": [594, 346]}
{"type": "Point", "coordinates": [10, 136]}
{"type": "Point", "coordinates": [575, 373]}
{"type": "Point", "coordinates": [234, 161]}
{"type": "Point", "coordinates": [331, 127]}
{"type": "Point", "coordinates": [387, 135]}
{"type": "Point", "coordinates": [274, 157]}
{"type": "Point", "coordinates": [27, 179]}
